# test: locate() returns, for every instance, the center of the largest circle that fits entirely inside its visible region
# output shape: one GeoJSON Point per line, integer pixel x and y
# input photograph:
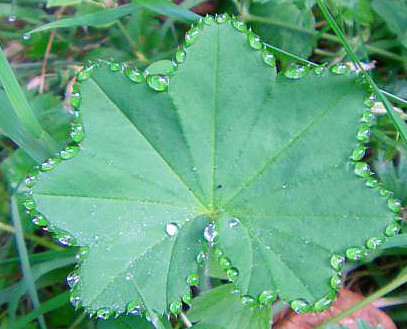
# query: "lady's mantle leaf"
{"type": "Point", "coordinates": [263, 155]}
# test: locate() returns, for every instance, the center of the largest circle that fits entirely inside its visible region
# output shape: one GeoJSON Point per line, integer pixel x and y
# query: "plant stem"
{"type": "Point", "coordinates": [25, 263]}
{"type": "Point", "coordinates": [400, 280]}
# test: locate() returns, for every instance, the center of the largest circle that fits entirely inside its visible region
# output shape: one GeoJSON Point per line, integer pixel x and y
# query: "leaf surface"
{"type": "Point", "coordinates": [264, 156]}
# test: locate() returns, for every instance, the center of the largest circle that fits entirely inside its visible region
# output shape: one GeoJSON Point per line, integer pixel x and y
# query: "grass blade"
{"type": "Point", "coordinates": [109, 15]}
{"type": "Point", "coordinates": [25, 263]}
{"type": "Point", "coordinates": [50, 305]}
{"type": "Point", "coordinates": [401, 126]}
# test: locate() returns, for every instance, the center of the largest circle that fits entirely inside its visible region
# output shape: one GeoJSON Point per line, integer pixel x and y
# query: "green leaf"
{"type": "Point", "coordinates": [395, 15]}
{"type": "Point", "coordinates": [263, 157]}
{"type": "Point", "coordinates": [222, 307]}
{"type": "Point", "coordinates": [285, 26]}
{"type": "Point", "coordinates": [54, 3]}
{"type": "Point", "coordinates": [110, 15]}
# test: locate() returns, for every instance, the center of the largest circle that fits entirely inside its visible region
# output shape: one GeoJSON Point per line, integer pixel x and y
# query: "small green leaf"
{"type": "Point", "coordinates": [223, 307]}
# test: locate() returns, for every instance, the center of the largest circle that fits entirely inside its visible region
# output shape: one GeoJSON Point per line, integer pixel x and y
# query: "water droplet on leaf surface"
{"type": "Point", "coordinates": [158, 82]}
{"type": "Point", "coordinates": [375, 242]}
{"type": "Point", "coordinates": [191, 36]}
{"type": "Point", "coordinates": [268, 58]}
{"type": "Point", "coordinates": [254, 41]}
{"type": "Point", "coordinates": [171, 229]}
{"type": "Point", "coordinates": [69, 152]}
{"type": "Point", "coordinates": [77, 133]}
{"type": "Point", "coordinates": [267, 297]}
{"type": "Point", "coordinates": [232, 273]}
{"type": "Point", "coordinates": [133, 308]}
{"type": "Point", "coordinates": [300, 306]}
{"type": "Point", "coordinates": [210, 233]}
{"type": "Point", "coordinates": [392, 229]}
{"type": "Point", "coordinates": [355, 253]}
{"type": "Point", "coordinates": [234, 222]}
{"type": "Point", "coordinates": [180, 56]}
{"type": "Point", "coordinates": [239, 25]}
{"type": "Point", "coordinates": [394, 205]}
{"type": "Point", "coordinates": [295, 71]}
{"type": "Point", "coordinates": [358, 153]}
{"type": "Point", "coordinates": [362, 169]}
{"type": "Point", "coordinates": [337, 262]}
{"type": "Point", "coordinates": [49, 165]}
{"type": "Point", "coordinates": [222, 18]}
{"type": "Point", "coordinates": [72, 279]}
{"type": "Point", "coordinates": [193, 279]}
{"type": "Point", "coordinates": [134, 74]}
{"type": "Point", "coordinates": [175, 307]}
{"type": "Point", "coordinates": [340, 68]}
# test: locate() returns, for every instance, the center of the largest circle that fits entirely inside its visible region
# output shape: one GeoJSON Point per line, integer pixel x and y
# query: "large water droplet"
{"type": "Point", "coordinates": [363, 133]}
{"type": "Point", "coordinates": [394, 205]}
{"type": "Point", "coordinates": [355, 253]}
{"type": "Point", "coordinates": [72, 279]}
{"type": "Point", "coordinates": [248, 301]}
{"type": "Point", "coordinates": [187, 298]}
{"type": "Point", "coordinates": [39, 220]}
{"type": "Point", "coordinates": [114, 66]}
{"type": "Point", "coordinates": [232, 274]}
{"type": "Point", "coordinates": [295, 71]}
{"type": "Point", "coordinates": [210, 233]}
{"type": "Point", "coordinates": [319, 70]}
{"type": "Point", "coordinates": [209, 20]}
{"type": "Point", "coordinates": [372, 182]}
{"type": "Point", "coordinates": [192, 35]}
{"type": "Point", "coordinates": [171, 229]}
{"type": "Point", "coordinates": [300, 306]}
{"type": "Point", "coordinates": [77, 133]}
{"type": "Point", "coordinates": [239, 25]}
{"type": "Point", "coordinates": [69, 152]}
{"type": "Point", "coordinates": [158, 82]}
{"type": "Point", "coordinates": [362, 169]}
{"type": "Point", "coordinates": [340, 68]}
{"type": "Point", "coordinates": [134, 74]}
{"type": "Point", "coordinates": [375, 242]}
{"type": "Point", "coordinates": [322, 304]}
{"type": "Point", "coordinates": [224, 263]}
{"type": "Point", "coordinates": [133, 308]}
{"type": "Point", "coordinates": [65, 239]}
{"type": "Point", "coordinates": [267, 297]}
{"type": "Point", "coordinates": [49, 165]}
{"type": "Point", "coordinates": [176, 307]}
{"type": "Point", "coordinates": [337, 262]}
{"type": "Point", "coordinates": [358, 153]}
{"type": "Point", "coordinates": [336, 282]}
{"type": "Point", "coordinates": [31, 180]}
{"type": "Point", "coordinates": [104, 313]}
{"type": "Point", "coordinates": [392, 229]}
{"type": "Point", "coordinates": [76, 99]}
{"type": "Point", "coordinates": [222, 18]}
{"type": "Point", "coordinates": [254, 41]}
{"type": "Point", "coordinates": [82, 254]}
{"type": "Point", "coordinates": [180, 55]}
{"type": "Point", "coordinates": [268, 58]}
{"type": "Point", "coordinates": [193, 279]}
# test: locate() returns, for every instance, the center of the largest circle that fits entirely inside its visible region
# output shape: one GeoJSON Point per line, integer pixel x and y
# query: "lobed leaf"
{"type": "Point", "coordinates": [261, 160]}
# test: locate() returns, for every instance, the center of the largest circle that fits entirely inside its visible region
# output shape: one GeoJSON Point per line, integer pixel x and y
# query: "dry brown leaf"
{"type": "Point", "coordinates": [346, 299]}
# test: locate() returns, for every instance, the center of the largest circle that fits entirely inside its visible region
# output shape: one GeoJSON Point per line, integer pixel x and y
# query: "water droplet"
{"type": "Point", "coordinates": [295, 71]}
{"type": "Point", "coordinates": [239, 25]}
{"type": "Point", "coordinates": [340, 68]}
{"type": "Point", "coordinates": [267, 297]}
{"type": "Point", "coordinates": [104, 313]}
{"type": "Point", "coordinates": [129, 276]}
{"type": "Point", "coordinates": [300, 306]}
{"type": "Point", "coordinates": [171, 229]}
{"type": "Point", "coordinates": [158, 82]}
{"type": "Point", "coordinates": [210, 233]}
{"type": "Point", "coordinates": [49, 165]}
{"type": "Point", "coordinates": [337, 262]}
{"type": "Point", "coordinates": [82, 254]}
{"type": "Point", "coordinates": [194, 169]}
{"type": "Point", "coordinates": [363, 133]}
{"type": "Point", "coordinates": [232, 273]}
{"type": "Point", "coordinates": [336, 282]}
{"type": "Point", "coordinates": [385, 192]}
{"type": "Point", "coordinates": [187, 298]}
{"type": "Point", "coordinates": [133, 308]}
{"type": "Point", "coordinates": [358, 153]}
{"type": "Point", "coordinates": [180, 56]}
{"type": "Point", "coordinates": [284, 185]}
{"type": "Point", "coordinates": [369, 103]}
{"type": "Point", "coordinates": [26, 36]}
{"type": "Point", "coordinates": [217, 252]}
{"type": "Point", "coordinates": [30, 180]}
{"type": "Point", "coordinates": [322, 304]}
{"type": "Point", "coordinates": [77, 133]}
{"type": "Point", "coordinates": [69, 152]}
{"type": "Point", "coordinates": [248, 301]}
{"type": "Point", "coordinates": [72, 279]}
{"type": "Point", "coordinates": [201, 258]}
{"type": "Point", "coordinates": [96, 237]}
{"type": "Point", "coordinates": [84, 74]}
{"type": "Point", "coordinates": [224, 263]}
{"type": "Point", "coordinates": [375, 242]}
{"type": "Point", "coordinates": [134, 74]}
{"type": "Point", "coordinates": [367, 117]}
{"type": "Point", "coordinates": [191, 36]}
{"type": "Point", "coordinates": [222, 18]}
{"type": "Point", "coordinates": [76, 99]}
{"type": "Point", "coordinates": [394, 205]}
{"type": "Point", "coordinates": [319, 70]}
{"type": "Point", "coordinates": [12, 18]}
{"type": "Point", "coordinates": [75, 299]}
{"type": "Point", "coordinates": [234, 222]}
{"type": "Point", "coordinates": [372, 182]}
{"type": "Point", "coordinates": [268, 58]}
{"type": "Point", "coordinates": [362, 169]}
{"type": "Point", "coordinates": [193, 279]}
{"type": "Point", "coordinates": [355, 253]}
{"type": "Point", "coordinates": [175, 307]}
{"type": "Point", "coordinates": [209, 20]}
{"type": "Point", "coordinates": [39, 220]}
{"type": "Point", "coordinates": [392, 229]}
{"type": "Point", "coordinates": [114, 66]}
{"type": "Point", "coordinates": [65, 239]}
{"type": "Point", "coordinates": [254, 41]}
